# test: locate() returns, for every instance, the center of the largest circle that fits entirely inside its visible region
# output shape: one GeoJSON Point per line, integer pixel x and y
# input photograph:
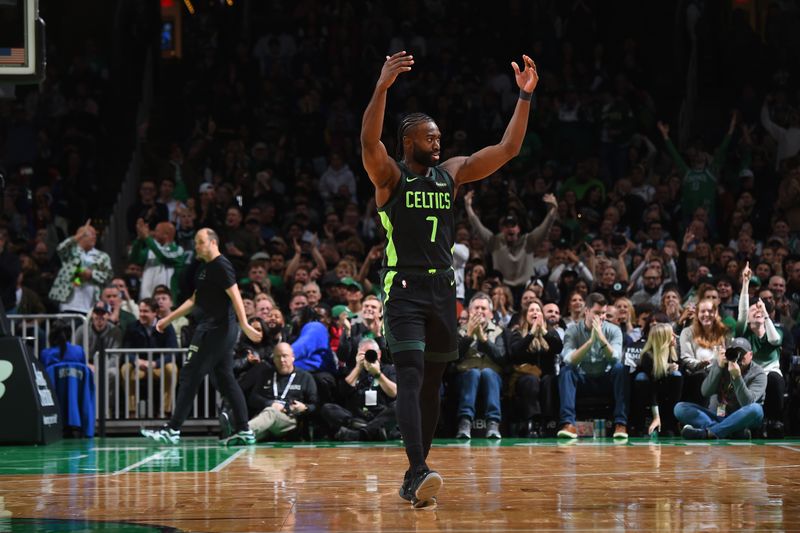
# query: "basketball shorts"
{"type": "Point", "coordinates": [420, 313]}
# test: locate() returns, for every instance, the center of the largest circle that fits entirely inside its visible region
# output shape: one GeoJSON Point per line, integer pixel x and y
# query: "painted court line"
{"type": "Point", "coordinates": [789, 448]}
{"type": "Point", "coordinates": [228, 461]}
{"type": "Point", "coordinates": [137, 464]}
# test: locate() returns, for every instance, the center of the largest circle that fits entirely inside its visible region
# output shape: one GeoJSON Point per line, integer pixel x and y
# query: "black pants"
{"type": "Point", "coordinates": [691, 388]}
{"type": "Point", "coordinates": [668, 390]}
{"type": "Point", "coordinates": [336, 416]}
{"type": "Point", "coordinates": [211, 349]}
{"type": "Point", "coordinates": [773, 403]}
{"type": "Point", "coordinates": [326, 386]}
{"type": "Point", "coordinates": [536, 396]}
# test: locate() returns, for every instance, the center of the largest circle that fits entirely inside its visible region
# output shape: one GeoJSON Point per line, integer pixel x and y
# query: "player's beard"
{"type": "Point", "coordinates": [421, 157]}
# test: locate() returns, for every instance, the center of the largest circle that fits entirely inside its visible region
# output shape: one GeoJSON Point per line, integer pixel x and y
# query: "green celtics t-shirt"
{"type": "Point", "coordinates": [764, 353]}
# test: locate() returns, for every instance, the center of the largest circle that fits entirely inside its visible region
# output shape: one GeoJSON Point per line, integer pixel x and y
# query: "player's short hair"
{"type": "Point", "coordinates": [407, 123]}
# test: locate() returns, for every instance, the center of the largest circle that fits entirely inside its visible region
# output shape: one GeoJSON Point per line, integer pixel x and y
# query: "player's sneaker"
{"type": "Point", "coordinates": [405, 488]}
{"type": "Point", "coordinates": [240, 438]}
{"type": "Point", "coordinates": [424, 488]}
{"type": "Point", "coordinates": [165, 435]}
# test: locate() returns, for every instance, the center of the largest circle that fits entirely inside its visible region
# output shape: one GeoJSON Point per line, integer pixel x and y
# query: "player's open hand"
{"type": "Point", "coordinates": [527, 78]}
{"type": "Point", "coordinates": [394, 66]}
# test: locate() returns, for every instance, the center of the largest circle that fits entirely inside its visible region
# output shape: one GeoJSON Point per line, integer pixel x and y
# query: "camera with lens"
{"type": "Point", "coordinates": [736, 349]}
{"type": "Point", "coordinates": [371, 356]}
{"type": "Point", "coordinates": [734, 354]}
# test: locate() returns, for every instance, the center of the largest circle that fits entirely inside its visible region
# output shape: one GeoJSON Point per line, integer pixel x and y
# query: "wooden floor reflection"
{"type": "Point", "coordinates": [638, 486]}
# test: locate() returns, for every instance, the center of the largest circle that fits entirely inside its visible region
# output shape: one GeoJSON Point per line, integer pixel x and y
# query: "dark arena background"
{"type": "Point", "coordinates": [627, 284]}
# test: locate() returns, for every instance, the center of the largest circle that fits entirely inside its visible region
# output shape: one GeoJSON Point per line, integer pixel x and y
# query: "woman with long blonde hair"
{"type": "Point", "coordinates": [657, 382]}
{"type": "Point", "coordinates": [535, 349]}
{"type": "Point", "coordinates": [700, 343]}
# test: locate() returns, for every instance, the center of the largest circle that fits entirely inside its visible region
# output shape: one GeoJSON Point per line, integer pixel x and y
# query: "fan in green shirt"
{"type": "Point", "coordinates": [700, 177]}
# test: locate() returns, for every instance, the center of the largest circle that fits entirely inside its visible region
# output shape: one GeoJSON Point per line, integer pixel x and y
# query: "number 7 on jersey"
{"type": "Point", "coordinates": [433, 229]}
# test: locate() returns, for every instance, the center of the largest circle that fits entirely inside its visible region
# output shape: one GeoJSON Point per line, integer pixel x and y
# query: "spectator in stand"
{"type": "Point", "coordinates": [755, 325]}
{"type": "Point", "coordinates": [728, 301]}
{"type": "Point", "coordinates": [370, 327]}
{"type": "Point", "coordinates": [512, 253]}
{"type": "Point", "coordinates": [482, 353]}
{"type": "Point", "coordinates": [788, 138]}
{"type": "Point", "coordinates": [735, 387]}
{"type": "Point", "coordinates": [298, 302]}
{"type": "Point", "coordinates": [699, 345]}
{"type": "Point", "coordinates": [247, 354]}
{"type": "Point", "coordinates": [311, 351]}
{"type": "Point", "coordinates": [552, 316]}
{"type": "Point", "coordinates": [146, 208]}
{"type": "Point", "coordinates": [143, 334]}
{"type": "Point", "coordinates": [657, 382]}
{"type": "Point", "coordinates": [785, 309]}
{"type": "Point", "coordinates": [163, 297]}
{"type": "Point", "coordinates": [535, 348]}
{"type": "Point", "coordinates": [84, 271]}
{"type": "Point", "coordinates": [239, 243]}
{"type": "Point", "coordinates": [651, 292]}
{"type": "Point", "coordinates": [671, 304]}
{"type": "Point", "coordinates": [279, 397]}
{"type": "Point", "coordinates": [116, 315]}
{"type": "Point", "coordinates": [355, 295]}
{"type": "Point", "coordinates": [161, 258]}
{"type": "Point", "coordinates": [337, 183]}
{"type": "Point", "coordinates": [575, 310]}
{"type": "Point", "coordinates": [503, 303]}
{"type": "Point", "coordinates": [166, 192]}
{"type": "Point", "coordinates": [126, 303]}
{"type": "Point", "coordinates": [313, 294]}
{"type": "Point", "coordinates": [626, 320]}
{"type": "Point", "coordinates": [701, 175]}
{"type": "Point", "coordinates": [368, 397]}
{"type": "Point", "coordinates": [592, 355]}
{"type": "Point", "coordinates": [264, 304]}
{"type": "Point", "coordinates": [101, 333]}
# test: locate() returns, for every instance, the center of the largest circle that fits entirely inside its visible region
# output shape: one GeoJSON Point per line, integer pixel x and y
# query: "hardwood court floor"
{"type": "Point", "coordinates": [514, 485]}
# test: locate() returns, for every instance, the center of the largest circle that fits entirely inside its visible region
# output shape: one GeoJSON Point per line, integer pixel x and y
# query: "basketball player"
{"type": "Point", "coordinates": [212, 344]}
{"type": "Point", "coordinates": [416, 199]}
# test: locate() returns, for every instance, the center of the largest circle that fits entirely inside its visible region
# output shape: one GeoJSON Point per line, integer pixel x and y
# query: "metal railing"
{"type": "Point", "coordinates": [134, 392]}
{"type": "Point", "coordinates": [139, 398]}
{"type": "Point", "coordinates": [35, 329]}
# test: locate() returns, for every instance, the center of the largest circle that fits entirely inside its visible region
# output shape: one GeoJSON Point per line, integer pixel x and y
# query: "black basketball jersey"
{"type": "Point", "coordinates": [419, 221]}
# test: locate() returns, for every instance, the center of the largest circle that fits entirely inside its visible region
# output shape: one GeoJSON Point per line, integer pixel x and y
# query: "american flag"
{"type": "Point", "coordinates": [12, 56]}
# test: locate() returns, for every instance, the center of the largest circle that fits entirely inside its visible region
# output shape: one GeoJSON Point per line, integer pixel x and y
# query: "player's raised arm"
{"type": "Point", "coordinates": [487, 160]}
{"type": "Point", "coordinates": [382, 169]}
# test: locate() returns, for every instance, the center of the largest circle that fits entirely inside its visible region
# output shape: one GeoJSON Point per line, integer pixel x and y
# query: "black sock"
{"type": "Point", "coordinates": [410, 368]}
{"type": "Point", "coordinates": [429, 397]}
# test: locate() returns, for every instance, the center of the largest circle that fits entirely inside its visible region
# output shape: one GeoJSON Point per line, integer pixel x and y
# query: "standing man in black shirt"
{"type": "Point", "coordinates": [415, 199]}
{"type": "Point", "coordinates": [215, 300]}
